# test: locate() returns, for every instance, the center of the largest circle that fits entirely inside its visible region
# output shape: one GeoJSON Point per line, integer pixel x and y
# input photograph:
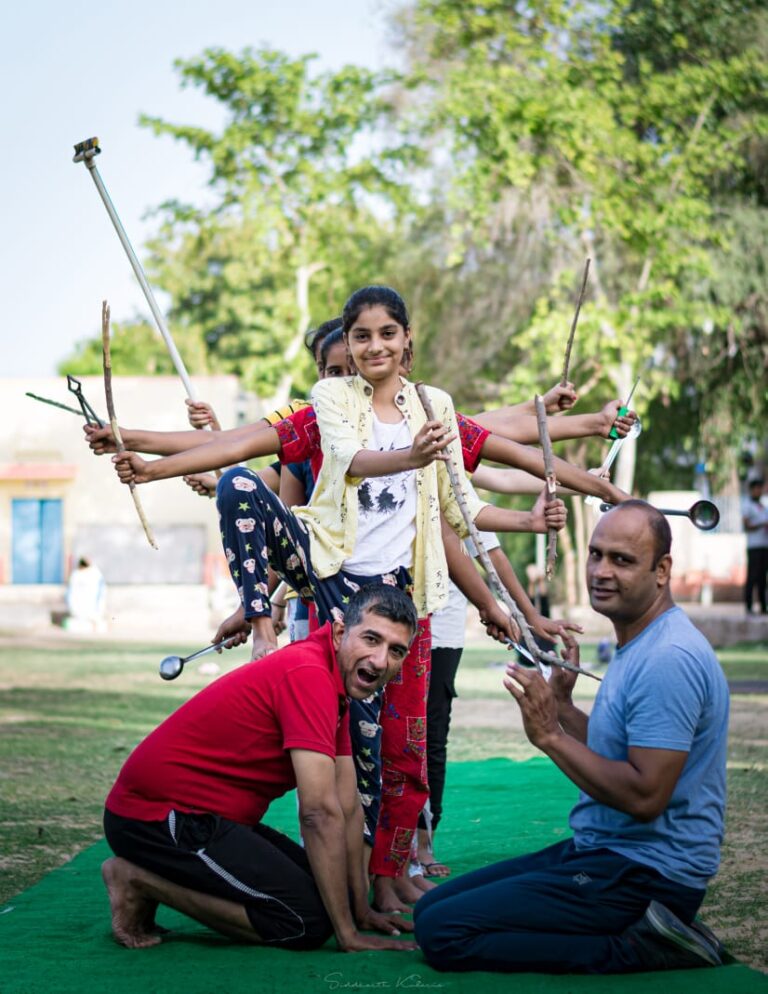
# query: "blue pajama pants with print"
{"type": "Point", "coordinates": [258, 530]}
{"type": "Point", "coordinates": [559, 910]}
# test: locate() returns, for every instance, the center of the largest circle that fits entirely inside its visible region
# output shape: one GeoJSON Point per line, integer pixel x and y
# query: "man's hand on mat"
{"type": "Point", "coordinates": [359, 943]}
{"type": "Point", "coordinates": [537, 704]}
{"type": "Point", "coordinates": [386, 922]}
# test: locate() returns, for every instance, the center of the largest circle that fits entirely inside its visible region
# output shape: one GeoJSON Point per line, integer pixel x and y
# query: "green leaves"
{"type": "Point", "coordinates": [302, 183]}
{"type": "Point", "coordinates": [516, 140]}
{"type": "Point", "coordinates": [136, 350]}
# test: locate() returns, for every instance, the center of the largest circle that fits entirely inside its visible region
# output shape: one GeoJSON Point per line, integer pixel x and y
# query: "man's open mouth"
{"type": "Point", "coordinates": [366, 676]}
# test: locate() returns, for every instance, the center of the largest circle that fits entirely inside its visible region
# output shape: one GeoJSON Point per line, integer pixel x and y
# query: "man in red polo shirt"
{"type": "Point", "coordinates": [184, 816]}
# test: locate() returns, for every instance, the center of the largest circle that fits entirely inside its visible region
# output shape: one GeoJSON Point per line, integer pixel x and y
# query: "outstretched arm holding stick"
{"type": "Point", "coordinates": [561, 397]}
{"type": "Point", "coordinates": [521, 426]}
{"type": "Point", "coordinates": [166, 443]}
{"type": "Point", "coordinates": [497, 449]}
{"type": "Point", "coordinates": [113, 417]}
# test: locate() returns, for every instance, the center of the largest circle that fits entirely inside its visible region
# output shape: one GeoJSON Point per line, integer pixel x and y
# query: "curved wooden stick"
{"type": "Point", "coordinates": [575, 321]}
{"type": "Point", "coordinates": [498, 587]}
{"type": "Point", "coordinates": [551, 480]}
{"type": "Point", "coordinates": [113, 417]}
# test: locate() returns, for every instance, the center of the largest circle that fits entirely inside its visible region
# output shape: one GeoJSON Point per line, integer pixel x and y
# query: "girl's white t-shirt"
{"type": "Point", "coordinates": [386, 510]}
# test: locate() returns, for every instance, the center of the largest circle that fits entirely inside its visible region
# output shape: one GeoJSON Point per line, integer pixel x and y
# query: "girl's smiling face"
{"type": "Point", "coordinates": [376, 342]}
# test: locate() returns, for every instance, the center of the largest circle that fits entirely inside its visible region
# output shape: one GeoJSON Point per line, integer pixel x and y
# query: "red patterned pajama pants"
{"type": "Point", "coordinates": [403, 758]}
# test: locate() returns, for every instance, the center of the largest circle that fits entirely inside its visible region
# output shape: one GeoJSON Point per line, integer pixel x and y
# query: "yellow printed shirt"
{"type": "Point", "coordinates": [344, 409]}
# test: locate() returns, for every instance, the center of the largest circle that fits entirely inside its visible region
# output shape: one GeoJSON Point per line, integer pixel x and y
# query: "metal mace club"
{"type": "Point", "coordinates": [86, 151]}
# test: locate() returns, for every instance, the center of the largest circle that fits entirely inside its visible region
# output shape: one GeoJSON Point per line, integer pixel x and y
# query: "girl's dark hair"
{"type": "Point", "coordinates": [370, 296]}
{"type": "Point", "coordinates": [331, 339]}
{"type": "Point", "coordinates": [315, 336]}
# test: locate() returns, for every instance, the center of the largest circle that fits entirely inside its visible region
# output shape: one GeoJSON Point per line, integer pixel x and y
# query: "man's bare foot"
{"type": "Point", "coordinates": [386, 899]}
{"type": "Point", "coordinates": [264, 638]}
{"type": "Point", "coordinates": [131, 911]}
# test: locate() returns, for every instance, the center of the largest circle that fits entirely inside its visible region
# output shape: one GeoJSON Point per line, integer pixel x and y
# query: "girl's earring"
{"type": "Point", "coordinates": [407, 360]}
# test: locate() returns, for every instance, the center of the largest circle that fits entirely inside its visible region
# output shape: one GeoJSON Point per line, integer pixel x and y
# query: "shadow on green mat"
{"type": "Point", "coordinates": [55, 937]}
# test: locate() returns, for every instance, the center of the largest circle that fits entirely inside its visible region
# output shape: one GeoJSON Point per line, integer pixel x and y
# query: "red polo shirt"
{"type": "Point", "coordinates": [226, 750]}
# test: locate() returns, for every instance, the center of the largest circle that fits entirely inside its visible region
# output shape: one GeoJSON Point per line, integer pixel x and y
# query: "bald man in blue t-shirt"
{"type": "Point", "coordinates": [621, 895]}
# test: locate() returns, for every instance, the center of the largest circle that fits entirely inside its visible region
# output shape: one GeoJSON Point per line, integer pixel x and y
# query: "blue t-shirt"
{"type": "Point", "coordinates": [664, 690]}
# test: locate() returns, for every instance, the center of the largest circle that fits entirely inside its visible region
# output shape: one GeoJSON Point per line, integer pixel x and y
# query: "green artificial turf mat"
{"type": "Point", "coordinates": [55, 937]}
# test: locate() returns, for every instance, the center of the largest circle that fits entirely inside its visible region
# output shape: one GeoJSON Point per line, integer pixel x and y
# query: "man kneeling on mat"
{"type": "Point", "coordinates": [621, 895]}
{"type": "Point", "coordinates": [184, 816]}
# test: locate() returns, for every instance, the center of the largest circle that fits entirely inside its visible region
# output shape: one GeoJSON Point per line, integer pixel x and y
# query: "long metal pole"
{"type": "Point", "coordinates": [88, 156]}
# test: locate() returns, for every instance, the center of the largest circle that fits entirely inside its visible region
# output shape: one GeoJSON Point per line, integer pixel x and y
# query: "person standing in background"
{"type": "Point", "coordinates": [754, 513]}
{"type": "Point", "coordinates": [86, 598]}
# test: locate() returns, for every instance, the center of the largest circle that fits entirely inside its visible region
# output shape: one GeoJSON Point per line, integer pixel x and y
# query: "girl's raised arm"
{"type": "Point", "coordinates": [523, 427]}
{"type": "Point", "coordinates": [510, 453]}
{"type": "Point", "coordinates": [163, 443]}
{"type": "Point", "coordinates": [216, 454]}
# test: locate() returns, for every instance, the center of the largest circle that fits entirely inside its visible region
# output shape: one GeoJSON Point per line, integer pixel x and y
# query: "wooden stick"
{"type": "Point", "coordinates": [113, 417]}
{"type": "Point", "coordinates": [498, 587]}
{"type": "Point", "coordinates": [568, 347]}
{"type": "Point", "coordinates": [551, 479]}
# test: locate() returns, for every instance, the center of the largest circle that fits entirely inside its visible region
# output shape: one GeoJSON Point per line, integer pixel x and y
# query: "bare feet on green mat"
{"type": "Point", "coordinates": [420, 882]}
{"type": "Point", "coordinates": [131, 911]}
{"type": "Point", "coordinates": [406, 889]}
{"type": "Point", "coordinates": [386, 896]}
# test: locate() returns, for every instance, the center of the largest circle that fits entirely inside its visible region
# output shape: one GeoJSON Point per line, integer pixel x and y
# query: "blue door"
{"type": "Point", "coordinates": [37, 541]}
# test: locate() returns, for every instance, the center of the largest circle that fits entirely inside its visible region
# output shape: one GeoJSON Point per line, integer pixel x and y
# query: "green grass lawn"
{"type": "Point", "coordinates": [71, 713]}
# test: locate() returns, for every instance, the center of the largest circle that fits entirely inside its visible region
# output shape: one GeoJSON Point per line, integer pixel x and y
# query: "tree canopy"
{"type": "Point", "coordinates": [515, 141]}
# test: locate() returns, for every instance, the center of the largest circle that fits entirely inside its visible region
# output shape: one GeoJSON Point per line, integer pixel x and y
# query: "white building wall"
{"type": "Point", "coordinates": [43, 455]}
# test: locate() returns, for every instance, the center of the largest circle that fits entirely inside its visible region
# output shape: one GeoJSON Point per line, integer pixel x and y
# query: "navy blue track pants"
{"type": "Point", "coordinates": [558, 910]}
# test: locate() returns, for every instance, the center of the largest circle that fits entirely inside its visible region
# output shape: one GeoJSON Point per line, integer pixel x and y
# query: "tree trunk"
{"type": "Point", "coordinates": [569, 559]}
{"type": "Point", "coordinates": [304, 274]}
{"type": "Point", "coordinates": [580, 531]}
{"type": "Point", "coordinates": [623, 375]}
{"type": "Point", "coordinates": [624, 473]}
